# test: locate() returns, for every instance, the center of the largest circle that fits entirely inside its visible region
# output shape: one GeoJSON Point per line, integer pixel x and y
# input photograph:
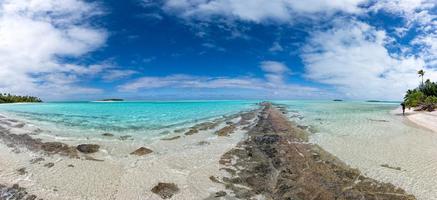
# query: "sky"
{"type": "Point", "coordinates": [216, 49]}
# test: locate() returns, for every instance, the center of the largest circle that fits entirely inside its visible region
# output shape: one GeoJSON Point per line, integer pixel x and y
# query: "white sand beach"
{"type": "Point", "coordinates": [423, 119]}
{"type": "Point", "coordinates": [112, 173]}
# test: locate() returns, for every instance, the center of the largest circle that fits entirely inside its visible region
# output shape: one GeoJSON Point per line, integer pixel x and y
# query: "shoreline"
{"type": "Point", "coordinates": [53, 169]}
{"type": "Point", "coordinates": [423, 119]}
{"type": "Point", "coordinates": [260, 150]}
{"type": "Point", "coordinates": [278, 162]}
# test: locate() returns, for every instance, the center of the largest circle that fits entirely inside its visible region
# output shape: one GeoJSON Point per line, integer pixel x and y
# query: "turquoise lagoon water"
{"type": "Point", "coordinates": [364, 135]}
{"type": "Point", "coordinates": [136, 118]}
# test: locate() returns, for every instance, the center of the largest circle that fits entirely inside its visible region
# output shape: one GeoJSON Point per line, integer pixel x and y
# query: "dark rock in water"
{"type": "Point", "coordinates": [15, 193]}
{"type": "Point", "coordinates": [141, 151]}
{"type": "Point", "coordinates": [390, 167]}
{"type": "Point", "coordinates": [214, 179]}
{"type": "Point", "coordinates": [92, 158]}
{"type": "Point", "coordinates": [49, 165]}
{"type": "Point", "coordinates": [88, 148]}
{"type": "Point", "coordinates": [36, 160]}
{"type": "Point", "coordinates": [108, 134]}
{"type": "Point", "coordinates": [172, 138]}
{"type": "Point", "coordinates": [22, 171]}
{"type": "Point", "coordinates": [179, 130]}
{"type": "Point", "coordinates": [220, 194]}
{"type": "Point", "coordinates": [165, 190]}
{"type": "Point", "coordinates": [53, 146]}
{"type": "Point", "coordinates": [226, 131]}
{"type": "Point", "coordinates": [36, 145]}
{"type": "Point", "coordinates": [125, 137]}
{"type": "Point", "coordinates": [191, 131]}
{"type": "Point", "coordinates": [378, 120]}
{"type": "Point", "coordinates": [203, 143]}
{"type": "Point", "coordinates": [70, 165]}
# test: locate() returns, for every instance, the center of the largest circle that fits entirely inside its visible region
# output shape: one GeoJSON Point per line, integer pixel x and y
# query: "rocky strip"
{"type": "Point", "coordinates": [17, 141]}
{"type": "Point", "coordinates": [15, 192]}
{"type": "Point", "coordinates": [277, 162]}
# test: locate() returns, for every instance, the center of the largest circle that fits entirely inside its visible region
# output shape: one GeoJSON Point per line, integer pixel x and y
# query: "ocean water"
{"type": "Point", "coordinates": [369, 135]}
{"type": "Point", "coordinates": [122, 118]}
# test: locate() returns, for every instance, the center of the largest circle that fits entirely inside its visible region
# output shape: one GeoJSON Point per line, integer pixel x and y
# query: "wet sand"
{"type": "Point", "coordinates": [256, 155]}
{"type": "Point", "coordinates": [425, 119]}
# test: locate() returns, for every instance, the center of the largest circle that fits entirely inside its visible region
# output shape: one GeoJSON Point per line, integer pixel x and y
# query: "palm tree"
{"type": "Point", "coordinates": [421, 74]}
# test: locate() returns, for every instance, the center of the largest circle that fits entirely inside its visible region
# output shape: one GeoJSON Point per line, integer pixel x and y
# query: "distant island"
{"type": "Point", "coordinates": [8, 98]}
{"type": "Point", "coordinates": [338, 100]}
{"type": "Point", "coordinates": [111, 100]}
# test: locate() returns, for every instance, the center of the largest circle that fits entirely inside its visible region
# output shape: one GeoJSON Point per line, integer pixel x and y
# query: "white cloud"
{"type": "Point", "coordinates": [35, 35]}
{"type": "Point", "coordinates": [276, 47]}
{"type": "Point", "coordinates": [352, 56]}
{"type": "Point", "coordinates": [115, 74]}
{"type": "Point", "coordinates": [273, 86]}
{"type": "Point", "coordinates": [259, 10]}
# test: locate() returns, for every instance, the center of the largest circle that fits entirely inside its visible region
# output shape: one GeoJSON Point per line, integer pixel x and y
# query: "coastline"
{"type": "Point", "coordinates": [210, 160]}
{"type": "Point", "coordinates": [186, 159]}
{"type": "Point", "coordinates": [423, 119]}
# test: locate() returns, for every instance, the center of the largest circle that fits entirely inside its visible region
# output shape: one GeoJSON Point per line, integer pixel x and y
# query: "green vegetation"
{"type": "Point", "coordinates": [423, 97]}
{"type": "Point", "coordinates": [8, 98]}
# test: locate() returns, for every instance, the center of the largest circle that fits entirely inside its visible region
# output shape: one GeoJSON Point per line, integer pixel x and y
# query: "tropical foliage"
{"type": "Point", "coordinates": [423, 97]}
{"type": "Point", "coordinates": [8, 98]}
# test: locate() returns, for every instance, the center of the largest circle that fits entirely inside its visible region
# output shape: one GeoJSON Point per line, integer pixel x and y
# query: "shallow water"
{"type": "Point", "coordinates": [368, 135]}
{"type": "Point", "coordinates": [127, 118]}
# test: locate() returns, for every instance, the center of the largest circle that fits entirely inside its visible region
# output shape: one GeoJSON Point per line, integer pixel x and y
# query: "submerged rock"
{"type": "Point", "coordinates": [88, 148]}
{"type": "Point", "coordinates": [220, 194]}
{"type": "Point", "coordinates": [172, 138]}
{"type": "Point", "coordinates": [226, 131]}
{"type": "Point", "coordinates": [15, 193]}
{"type": "Point", "coordinates": [165, 190]}
{"type": "Point", "coordinates": [125, 137]}
{"type": "Point", "coordinates": [108, 134]}
{"type": "Point", "coordinates": [391, 167]}
{"type": "Point", "coordinates": [36, 160]}
{"type": "Point", "coordinates": [141, 151]}
{"type": "Point", "coordinates": [192, 131]}
{"type": "Point", "coordinates": [49, 165]}
{"type": "Point", "coordinates": [21, 171]}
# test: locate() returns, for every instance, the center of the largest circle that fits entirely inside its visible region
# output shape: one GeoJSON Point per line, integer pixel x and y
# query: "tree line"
{"type": "Point", "coordinates": [8, 98]}
{"type": "Point", "coordinates": [423, 97]}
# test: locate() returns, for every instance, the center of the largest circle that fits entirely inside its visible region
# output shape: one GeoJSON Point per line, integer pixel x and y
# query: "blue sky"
{"type": "Point", "coordinates": [216, 49]}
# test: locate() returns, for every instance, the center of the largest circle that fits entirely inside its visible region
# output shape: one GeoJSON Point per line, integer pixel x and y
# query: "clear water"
{"type": "Point", "coordinates": [135, 118]}
{"type": "Point", "coordinates": [368, 135]}
{"type": "Point", "coordinates": [364, 135]}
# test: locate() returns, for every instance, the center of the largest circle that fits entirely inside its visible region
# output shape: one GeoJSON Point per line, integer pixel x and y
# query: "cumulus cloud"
{"type": "Point", "coordinates": [36, 35]}
{"type": "Point", "coordinates": [353, 57]}
{"type": "Point", "coordinates": [259, 10]}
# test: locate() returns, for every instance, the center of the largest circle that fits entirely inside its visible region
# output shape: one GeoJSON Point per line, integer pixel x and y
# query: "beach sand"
{"type": "Point", "coordinates": [423, 119]}
{"type": "Point", "coordinates": [257, 155]}
{"type": "Point", "coordinates": [188, 161]}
